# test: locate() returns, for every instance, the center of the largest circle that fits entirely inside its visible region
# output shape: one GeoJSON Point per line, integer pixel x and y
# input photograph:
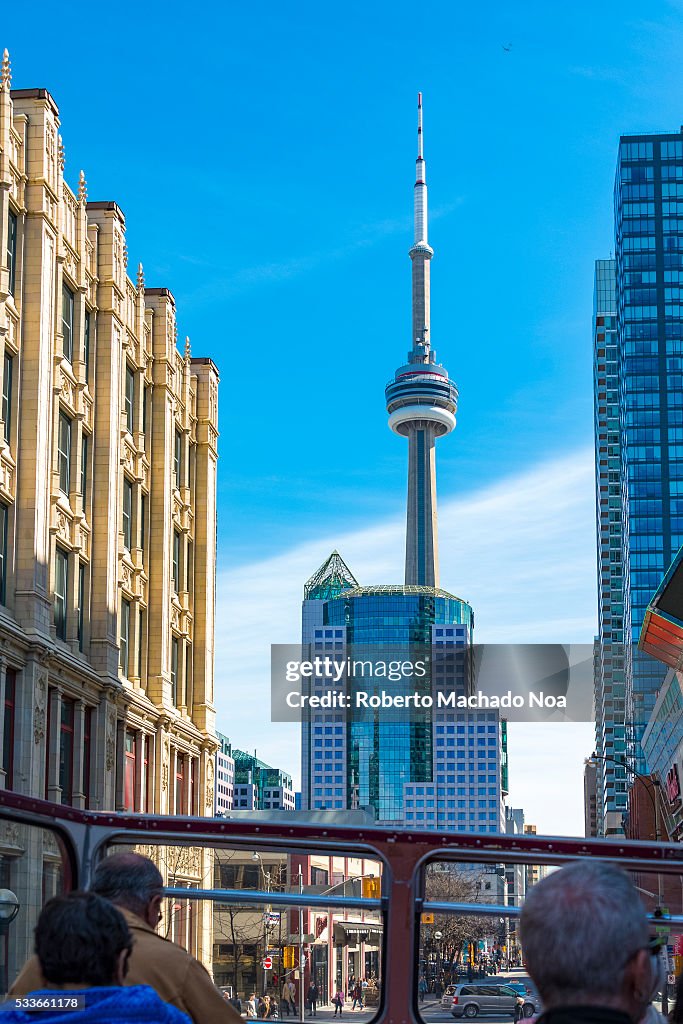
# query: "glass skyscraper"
{"type": "Point", "coordinates": [442, 769]}
{"type": "Point", "coordinates": [648, 267]}
{"type": "Point", "coordinates": [610, 668]}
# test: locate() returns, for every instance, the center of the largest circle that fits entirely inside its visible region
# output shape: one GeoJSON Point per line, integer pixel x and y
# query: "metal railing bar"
{"type": "Point", "coordinates": [501, 910]}
{"type": "Point", "coordinates": [283, 899]}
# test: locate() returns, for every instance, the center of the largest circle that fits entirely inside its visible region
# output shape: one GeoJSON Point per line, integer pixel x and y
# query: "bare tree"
{"type": "Point", "coordinates": [245, 924]}
{"type": "Point", "coordinates": [446, 883]}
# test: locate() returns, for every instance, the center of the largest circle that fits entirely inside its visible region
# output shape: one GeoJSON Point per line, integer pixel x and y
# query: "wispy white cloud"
{"type": "Point", "coordinates": [363, 236]}
{"type": "Point", "coordinates": [521, 551]}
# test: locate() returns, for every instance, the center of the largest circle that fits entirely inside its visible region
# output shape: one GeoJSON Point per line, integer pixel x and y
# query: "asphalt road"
{"type": "Point", "coordinates": [430, 1011]}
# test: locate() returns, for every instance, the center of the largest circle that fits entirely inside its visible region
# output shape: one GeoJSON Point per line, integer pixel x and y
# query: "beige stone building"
{"type": "Point", "coordinates": [107, 503]}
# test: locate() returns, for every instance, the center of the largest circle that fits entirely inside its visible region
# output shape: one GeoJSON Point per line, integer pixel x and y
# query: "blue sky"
{"type": "Point", "coordinates": [264, 155]}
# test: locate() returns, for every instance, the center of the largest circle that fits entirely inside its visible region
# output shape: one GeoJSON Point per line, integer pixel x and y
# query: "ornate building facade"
{"type": "Point", "coordinates": [108, 450]}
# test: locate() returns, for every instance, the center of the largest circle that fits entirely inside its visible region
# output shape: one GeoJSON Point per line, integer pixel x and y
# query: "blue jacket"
{"type": "Point", "coordinates": [134, 1004]}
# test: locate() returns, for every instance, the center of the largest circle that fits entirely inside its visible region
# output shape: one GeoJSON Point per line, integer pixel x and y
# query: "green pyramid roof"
{"type": "Point", "coordinates": [331, 579]}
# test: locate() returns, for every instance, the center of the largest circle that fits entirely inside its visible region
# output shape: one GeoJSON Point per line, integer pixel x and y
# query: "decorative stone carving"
{"type": "Point", "coordinates": [50, 843]}
{"type": "Point", "coordinates": [66, 388]}
{"type": "Point", "coordinates": [87, 409]}
{"type": "Point", "coordinates": [10, 834]}
{"type": "Point", "coordinates": [188, 862]}
{"type": "Point", "coordinates": [13, 332]}
{"type": "Point", "coordinates": [63, 525]}
{"type": "Point", "coordinates": [213, 402]}
{"type": "Point", "coordinates": [209, 783]}
{"type": "Point", "coordinates": [39, 709]}
{"type": "Point", "coordinates": [50, 144]}
{"type": "Point", "coordinates": [165, 757]}
{"type": "Point", "coordinates": [110, 741]}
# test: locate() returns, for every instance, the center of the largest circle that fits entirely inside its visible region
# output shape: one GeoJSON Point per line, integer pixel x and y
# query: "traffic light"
{"type": "Point", "coordinates": [288, 957]}
{"type": "Point", "coordinates": [371, 888]}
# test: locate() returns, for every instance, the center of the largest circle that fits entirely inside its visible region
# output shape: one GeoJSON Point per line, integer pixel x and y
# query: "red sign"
{"type": "Point", "coordinates": [268, 963]}
{"type": "Point", "coordinates": [673, 784]}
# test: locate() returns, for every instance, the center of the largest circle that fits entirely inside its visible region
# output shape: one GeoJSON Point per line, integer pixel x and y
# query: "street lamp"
{"type": "Point", "coordinates": [438, 936]}
{"type": "Point", "coordinates": [9, 908]}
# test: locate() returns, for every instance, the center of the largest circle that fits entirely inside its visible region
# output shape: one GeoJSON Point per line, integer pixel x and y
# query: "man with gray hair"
{"type": "Point", "coordinates": [586, 946]}
{"type": "Point", "coordinates": [134, 884]}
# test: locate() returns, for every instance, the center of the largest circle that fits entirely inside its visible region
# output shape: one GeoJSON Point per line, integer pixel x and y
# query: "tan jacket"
{"type": "Point", "coordinates": [174, 974]}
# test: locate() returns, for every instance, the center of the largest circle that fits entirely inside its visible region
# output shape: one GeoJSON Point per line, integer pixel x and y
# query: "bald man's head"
{"type": "Point", "coordinates": [129, 880]}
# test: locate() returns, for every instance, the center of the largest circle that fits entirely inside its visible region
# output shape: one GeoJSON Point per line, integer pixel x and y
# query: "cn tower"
{"type": "Point", "coordinates": [421, 401]}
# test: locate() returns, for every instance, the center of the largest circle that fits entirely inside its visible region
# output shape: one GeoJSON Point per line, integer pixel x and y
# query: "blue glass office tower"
{"type": "Point", "coordinates": [443, 768]}
{"type": "Point", "coordinates": [648, 207]}
{"type": "Point", "coordinates": [610, 668]}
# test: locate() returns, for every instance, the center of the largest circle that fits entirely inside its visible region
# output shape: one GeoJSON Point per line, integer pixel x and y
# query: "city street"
{"type": "Point", "coordinates": [430, 1011]}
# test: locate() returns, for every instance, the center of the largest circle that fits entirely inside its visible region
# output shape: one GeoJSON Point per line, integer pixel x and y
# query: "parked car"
{"type": "Point", "coordinates": [447, 997]}
{"type": "Point", "coordinates": [485, 997]}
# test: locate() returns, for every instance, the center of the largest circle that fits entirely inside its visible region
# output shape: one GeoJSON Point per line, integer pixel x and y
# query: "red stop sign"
{"type": "Point", "coordinates": [268, 963]}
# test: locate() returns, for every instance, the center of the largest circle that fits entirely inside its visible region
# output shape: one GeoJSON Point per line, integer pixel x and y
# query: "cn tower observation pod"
{"type": "Point", "coordinates": [421, 394]}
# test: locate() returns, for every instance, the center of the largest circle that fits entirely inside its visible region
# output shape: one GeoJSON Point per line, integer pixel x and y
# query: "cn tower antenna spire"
{"type": "Point", "coordinates": [421, 253]}
{"type": "Point", "coordinates": [421, 400]}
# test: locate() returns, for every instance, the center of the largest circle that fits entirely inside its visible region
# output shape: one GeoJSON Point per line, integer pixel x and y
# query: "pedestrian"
{"type": "Point", "coordinates": [262, 1008]}
{"type": "Point", "coordinates": [357, 996]}
{"type": "Point", "coordinates": [252, 1006]}
{"type": "Point", "coordinates": [289, 993]}
{"type": "Point", "coordinates": [338, 1001]}
{"type": "Point", "coordinates": [438, 990]}
{"type": "Point", "coordinates": [422, 988]}
{"type": "Point", "coordinates": [519, 1009]}
{"type": "Point", "coordinates": [572, 924]}
{"type": "Point", "coordinates": [312, 998]}
{"type": "Point", "coordinates": [284, 1001]}
{"type": "Point", "coordinates": [273, 1010]}
{"type": "Point", "coordinates": [134, 885]}
{"type": "Point", "coordinates": [83, 945]}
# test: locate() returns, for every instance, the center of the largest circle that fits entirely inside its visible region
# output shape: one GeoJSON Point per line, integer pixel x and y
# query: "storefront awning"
{"type": "Point", "coordinates": [662, 631]}
{"type": "Point", "coordinates": [352, 931]}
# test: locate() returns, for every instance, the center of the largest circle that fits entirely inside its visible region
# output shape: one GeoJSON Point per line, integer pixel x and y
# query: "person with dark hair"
{"type": "Point", "coordinates": [587, 946]}
{"type": "Point", "coordinates": [134, 884]}
{"type": "Point", "coordinates": [83, 944]}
